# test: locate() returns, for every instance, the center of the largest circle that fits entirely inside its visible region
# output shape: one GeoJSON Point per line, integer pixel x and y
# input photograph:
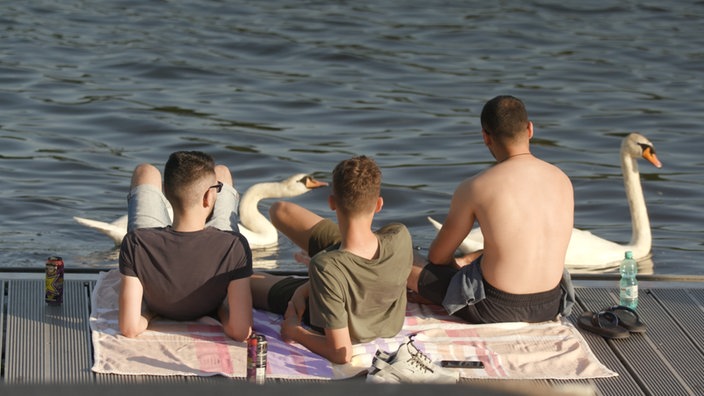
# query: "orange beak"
{"type": "Point", "coordinates": [649, 155]}
{"type": "Point", "coordinates": [312, 183]}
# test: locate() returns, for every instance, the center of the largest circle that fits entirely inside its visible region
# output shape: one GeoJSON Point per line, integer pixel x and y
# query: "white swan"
{"type": "Point", "coordinates": [587, 251]}
{"type": "Point", "coordinates": [258, 230]}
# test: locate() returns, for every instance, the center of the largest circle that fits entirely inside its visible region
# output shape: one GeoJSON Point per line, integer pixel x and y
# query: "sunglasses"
{"type": "Point", "coordinates": [218, 187]}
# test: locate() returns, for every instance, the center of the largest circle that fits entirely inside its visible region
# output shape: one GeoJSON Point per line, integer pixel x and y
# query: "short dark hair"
{"type": "Point", "coordinates": [182, 170]}
{"type": "Point", "coordinates": [356, 185]}
{"type": "Point", "coordinates": [503, 117]}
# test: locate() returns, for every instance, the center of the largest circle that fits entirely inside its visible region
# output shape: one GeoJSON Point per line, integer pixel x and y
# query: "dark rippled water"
{"type": "Point", "coordinates": [90, 89]}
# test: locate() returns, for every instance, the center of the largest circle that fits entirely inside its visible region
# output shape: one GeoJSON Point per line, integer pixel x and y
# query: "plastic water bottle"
{"type": "Point", "coordinates": [629, 283]}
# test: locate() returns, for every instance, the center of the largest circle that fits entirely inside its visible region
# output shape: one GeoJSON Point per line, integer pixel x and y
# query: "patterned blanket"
{"type": "Point", "coordinates": [200, 348]}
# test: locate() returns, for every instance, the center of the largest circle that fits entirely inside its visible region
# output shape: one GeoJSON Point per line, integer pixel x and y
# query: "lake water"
{"type": "Point", "coordinates": [90, 89]}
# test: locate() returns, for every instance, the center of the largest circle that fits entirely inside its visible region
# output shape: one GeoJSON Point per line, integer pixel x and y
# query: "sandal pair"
{"type": "Point", "coordinates": [616, 322]}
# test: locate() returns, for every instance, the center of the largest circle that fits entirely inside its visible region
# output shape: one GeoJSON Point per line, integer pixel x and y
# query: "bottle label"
{"type": "Point", "coordinates": [629, 292]}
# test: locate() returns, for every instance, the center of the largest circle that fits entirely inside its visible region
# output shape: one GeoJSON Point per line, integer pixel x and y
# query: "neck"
{"type": "Point", "coordinates": [641, 237]}
{"type": "Point", "coordinates": [358, 238]}
{"type": "Point", "coordinates": [508, 157]}
{"type": "Point", "coordinates": [187, 222]}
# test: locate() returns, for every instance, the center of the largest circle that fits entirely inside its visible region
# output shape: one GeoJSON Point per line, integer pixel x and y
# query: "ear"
{"type": "Point", "coordinates": [379, 204]}
{"type": "Point", "coordinates": [486, 137]}
{"type": "Point", "coordinates": [209, 198]}
{"type": "Point", "coordinates": [530, 130]}
{"type": "Point", "coordinates": [331, 202]}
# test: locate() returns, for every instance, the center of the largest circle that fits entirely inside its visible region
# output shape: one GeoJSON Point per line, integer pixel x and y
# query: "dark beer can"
{"type": "Point", "coordinates": [54, 281]}
{"type": "Point", "coordinates": [256, 358]}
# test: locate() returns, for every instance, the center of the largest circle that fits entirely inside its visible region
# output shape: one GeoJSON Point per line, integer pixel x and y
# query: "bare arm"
{"type": "Point", "coordinates": [131, 319]}
{"type": "Point", "coordinates": [335, 345]}
{"type": "Point", "coordinates": [236, 313]}
{"type": "Point", "coordinates": [459, 222]}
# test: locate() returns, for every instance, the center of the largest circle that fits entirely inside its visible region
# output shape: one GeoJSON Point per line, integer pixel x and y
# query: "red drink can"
{"type": "Point", "coordinates": [256, 359]}
{"type": "Point", "coordinates": [54, 281]}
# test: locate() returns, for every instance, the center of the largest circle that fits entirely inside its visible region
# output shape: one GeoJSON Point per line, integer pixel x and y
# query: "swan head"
{"type": "Point", "coordinates": [638, 146]}
{"type": "Point", "coordinates": [300, 183]}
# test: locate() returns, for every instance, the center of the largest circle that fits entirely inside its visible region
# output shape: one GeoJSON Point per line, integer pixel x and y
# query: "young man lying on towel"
{"type": "Point", "coordinates": [356, 289]}
{"type": "Point", "coordinates": [189, 268]}
{"type": "Point", "coordinates": [525, 207]}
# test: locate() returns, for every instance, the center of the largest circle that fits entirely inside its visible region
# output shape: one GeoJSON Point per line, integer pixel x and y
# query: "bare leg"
{"type": "Point", "coordinates": [222, 174]}
{"type": "Point", "coordinates": [294, 221]}
{"type": "Point", "coordinates": [146, 174]}
{"type": "Point", "coordinates": [260, 284]}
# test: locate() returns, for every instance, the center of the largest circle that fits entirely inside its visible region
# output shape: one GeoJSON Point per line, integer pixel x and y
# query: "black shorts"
{"type": "Point", "coordinates": [498, 306]}
{"type": "Point", "coordinates": [280, 294]}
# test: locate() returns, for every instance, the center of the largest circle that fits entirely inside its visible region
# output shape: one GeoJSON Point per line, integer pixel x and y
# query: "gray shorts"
{"type": "Point", "coordinates": [147, 207]}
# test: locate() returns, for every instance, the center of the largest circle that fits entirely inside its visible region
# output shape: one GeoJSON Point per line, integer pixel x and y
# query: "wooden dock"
{"type": "Point", "coordinates": [45, 345]}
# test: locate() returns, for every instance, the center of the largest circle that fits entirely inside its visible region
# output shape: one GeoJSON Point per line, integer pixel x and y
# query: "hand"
{"type": "Point", "coordinates": [291, 324]}
{"type": "Point", "coordinates": [300, 300]}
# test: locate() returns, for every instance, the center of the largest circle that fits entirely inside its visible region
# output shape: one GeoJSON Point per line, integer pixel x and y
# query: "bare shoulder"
{"type": "Point", "coordinates": [558, 173]}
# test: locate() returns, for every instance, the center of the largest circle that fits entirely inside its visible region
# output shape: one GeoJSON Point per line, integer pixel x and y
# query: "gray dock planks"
{"type": "Point", "coordinates": [661, 360]}
{"type": "Point", "coordinates": [45, 344]}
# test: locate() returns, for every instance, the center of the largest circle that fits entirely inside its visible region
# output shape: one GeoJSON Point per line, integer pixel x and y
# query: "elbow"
{"type": "Point", "coordinates": [341, 356]}
{"type": "Point", "coordinates": [239, 335]}
{"type": "Point", "coordinates": [434, 258]}
{"type": "Point", "coordinates": [433, 253]}
{"type": "Point", "coordinates": [129, 331]}
{"type": "Point", "coordinates": [439, 258]}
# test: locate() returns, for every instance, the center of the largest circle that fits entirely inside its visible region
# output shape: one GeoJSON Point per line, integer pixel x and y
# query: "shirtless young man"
{"type": "Point", "coordinates": [525, 207]}
{"type": "Point", "coordinates": [193, 267]}
{"type": "Point", "coordinates": [356, 289]}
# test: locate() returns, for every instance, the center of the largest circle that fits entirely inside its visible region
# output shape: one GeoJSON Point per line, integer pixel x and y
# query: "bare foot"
{"type": "Point", "coordinates": [302, 258]}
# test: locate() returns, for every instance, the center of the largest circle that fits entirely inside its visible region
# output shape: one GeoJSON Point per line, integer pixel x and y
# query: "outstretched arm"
{"type": "Point", "coordinates": [236, 313]}
{"type": "Point", "coordinates": [335, 345]}
{"type": "Point", "coordinates": [131, 319]}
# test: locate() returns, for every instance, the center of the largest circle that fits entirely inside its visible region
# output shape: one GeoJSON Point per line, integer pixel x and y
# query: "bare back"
{"type": "Point", "coordinates": [525, 207]}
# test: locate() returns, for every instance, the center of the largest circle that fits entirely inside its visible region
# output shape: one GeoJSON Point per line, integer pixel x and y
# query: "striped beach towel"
{"type": "Point", "coordinates": [548, 350]}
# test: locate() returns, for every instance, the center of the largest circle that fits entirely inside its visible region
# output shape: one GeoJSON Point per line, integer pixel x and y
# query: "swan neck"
{"type": "Point", "coordinates": [250, 216]}
{"type": "Point", "coordinates": [641, 238]}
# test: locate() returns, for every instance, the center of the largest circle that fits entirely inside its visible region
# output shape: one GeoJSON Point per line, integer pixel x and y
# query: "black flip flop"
{"type": "Point", "coordinates": [603, 323]}
{"type": "Point", "coordinates": [628, 318]}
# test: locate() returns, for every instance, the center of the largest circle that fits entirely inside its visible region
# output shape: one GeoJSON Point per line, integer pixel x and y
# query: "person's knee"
{"type": "Point", "coordinates": [146, 174]}
{"type": "Point", "coordinates": [278, 211]}
{"type": "Point", "coordinates": [222, 173]}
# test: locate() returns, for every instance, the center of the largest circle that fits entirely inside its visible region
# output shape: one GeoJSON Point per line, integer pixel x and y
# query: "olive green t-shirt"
{"type": "Point", "coordinates": [366, 296]}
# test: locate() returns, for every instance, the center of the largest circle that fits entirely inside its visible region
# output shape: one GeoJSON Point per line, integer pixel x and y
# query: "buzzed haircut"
{"type": "Point", "coordinates": [182, 171]}
{"type": "Point", "coordinates": [504, 117]}
{"type": "Point", "coordinates": [356, 185]}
